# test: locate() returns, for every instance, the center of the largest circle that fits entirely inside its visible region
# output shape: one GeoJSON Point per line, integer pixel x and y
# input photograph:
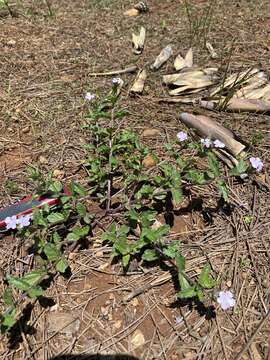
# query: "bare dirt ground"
{"type": "Point", "coordinates": [44, 70]}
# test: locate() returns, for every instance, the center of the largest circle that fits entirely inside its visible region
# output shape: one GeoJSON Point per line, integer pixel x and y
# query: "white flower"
{"type": "Point", "coordinates": [225, 299]}
{"type": "Point", "coordinates": [24, 221]}
{"type": "Point", "coordinates": [89, 96]}
{"type": "Point", "coordinates": [116, 80]}
{"type": "Point", "coordinates": [182, 136]}
{"type": "Point", "coordinates": [218, 144]}
{"type": "Point", "coordinates": [256, 163]}
{"type": "Point", "coordinates": [243, 176]}
{"type": "Point", "coordinates": [206, 142]}
{"type": "Point", "coordinates": [11, 222]}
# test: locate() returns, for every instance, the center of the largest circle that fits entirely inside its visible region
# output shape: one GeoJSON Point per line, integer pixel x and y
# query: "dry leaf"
{"type": "Point", "coordinates": [138, 85]}
{"type": "Point", "coordinates": [138, 41]}
{"type": "Point", "coordinates": [181, 63]}
{"type": "Point", "coordinates": [233, 79]}
{"type": "Point", "coordinates": [189, 58]}
{"type": "Point", "coordinates": [137, 339]}
{"type": "Point", "coordinates": [191, 80]}
{"type": "Point", "coordinates": [165, 54]}
{"type": "Point", "coordinates": [211, 50]}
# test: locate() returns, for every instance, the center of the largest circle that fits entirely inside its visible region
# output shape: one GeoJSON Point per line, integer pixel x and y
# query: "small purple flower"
{"type": "Point", "coordinates": [226, 300]}
{"type": "Point", "coordinates": [24, 221]}
{"type": "Point", "coordinates": [256, 163]}
{"type": "Point", "coordinates": [178, 320]}
{"type": "Point", "coordinates": [116, 80]}
{"type": "Point", "coordinates": [89, 96]}
{"type": "Point", "coordinates": [206, 142]}
{"type": "Point", "coordinates": [182, 136]}
{"type": "Point", "coordinates": [11, 222]}
{"type": "Point", "coordinates": [218, 144]}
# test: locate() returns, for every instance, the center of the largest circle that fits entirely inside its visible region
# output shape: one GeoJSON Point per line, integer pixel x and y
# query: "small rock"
{"type": "Point", "coordinates": [149, 161]}
{"type": "Point", "coordinates": [137, 339]}
{"type": "Point", "coordinates": [157, 224]}
{"type": "Point", "coordinates": [72, 255]}
{"type": "Point", "coordinates": [99, 254]}
{"type": "Point", "coordinates": [132, 12]}
{"type": "Point", "coordinates": [135, 302]}
{"type": "Point", "coordinates": [63, 322]}
{"type": "Point", "coordinates": [59, 174]}
{"type": "Point", "coordinates": [103, 266]}
{"type": "Point", "coordinates": [26, 129]}
{"type": "Point", "coordinates": [43, 160]}
{"type": "Point", "coordinates": [148, 133]}
{"type": "Point", "coordinates": [11, 42]}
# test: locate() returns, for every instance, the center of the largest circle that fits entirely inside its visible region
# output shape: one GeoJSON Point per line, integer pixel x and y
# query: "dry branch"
{"type": "Point", "coordinates": [205, 126]}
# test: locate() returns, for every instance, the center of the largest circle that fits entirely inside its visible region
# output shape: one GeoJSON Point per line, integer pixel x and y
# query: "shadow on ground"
{"type": "Point", "coordinates": [95, 357]}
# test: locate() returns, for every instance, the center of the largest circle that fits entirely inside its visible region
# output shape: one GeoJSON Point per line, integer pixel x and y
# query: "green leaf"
{"type": "Point", "coordinates": [187, 293]}
{"type": "Point", "coordinates": [56, 187]}
{"type": "Point", "coordinates": [81, 209]}
{"type": "Point", "coordinates": [9, 319]}
{"type": "Point", "coordinates": [121, 246]}
{"type": "Point", "coordinates": [52, 252]}
{"type": "Point", "coordinates": [65, 199]}
{"type": "Point", "coordinates": [18, 283]}
{"type": "Point", "coordinates": [56, 218]}
{"type": "Point", "coordinates": [77, 189]}
{"type": "Point", "coordinates": [240, 168]}
{"type": "Point", "coordinates": [35, 292]}
{"type": "Point", "coordinates": [177, 195]}
{"type": "Point", "coordinates": [38, 218]}
{"type": "Point", "coordinates": [125, 260]}
{"type": "Point", "coordinates": [81, 231]}
{"type": "Point", "coordinates": [78, 233]}
{"type": "Point", "coordinates": [62, 265]}
{"type": "Point", "coordinates": [184, 284]}
{"type": "Point", "coordinates": [34, 277]}
{"type": "Point", "coordinates": [56, 237]}
{"type": "Point", "coordinates": [223, 189]}
{"type": "Point", "coordinates": [180, 262]}
{"type": "Point", "coordinates": [205, 279]}
{"type": "Point", "coordinates": [149, 255]}
{"type": "Point", "coordinates": [7, 297]}
{"type": "Point", "coordinates": [196, 177]}
{"type": "Point", "coordinates": [171, 250]}
{"type": "Point", "coordinates": [213, 164]}
{"type": "Point", "coordinates": [73, 237]}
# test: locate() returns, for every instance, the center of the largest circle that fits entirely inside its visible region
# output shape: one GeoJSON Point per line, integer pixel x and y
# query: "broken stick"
{"type": "Point", "coordinates": [205, 126]}
{"type": "Point", "coordinates": [130, 69]}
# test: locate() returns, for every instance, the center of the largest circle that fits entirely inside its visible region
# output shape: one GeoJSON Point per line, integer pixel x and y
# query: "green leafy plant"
{"type": "Point", "coordinates": [129, 191]}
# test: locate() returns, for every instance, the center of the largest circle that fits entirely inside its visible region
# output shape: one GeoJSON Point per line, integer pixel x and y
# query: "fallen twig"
{"type": "Point", "coordinates": [116, 72]}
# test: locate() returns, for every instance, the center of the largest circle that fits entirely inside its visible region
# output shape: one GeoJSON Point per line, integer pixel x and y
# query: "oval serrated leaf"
{"type": "Point", "coordinates": [62, 265]}
{"type": "Point", "coordinates": [149, 255]}
{"type": "Point", "coordinates": [52, 252]}
{"type": "Point", "coordinates": [56, 218]}
{"type": "Point", "coordinates": [18, 283]}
